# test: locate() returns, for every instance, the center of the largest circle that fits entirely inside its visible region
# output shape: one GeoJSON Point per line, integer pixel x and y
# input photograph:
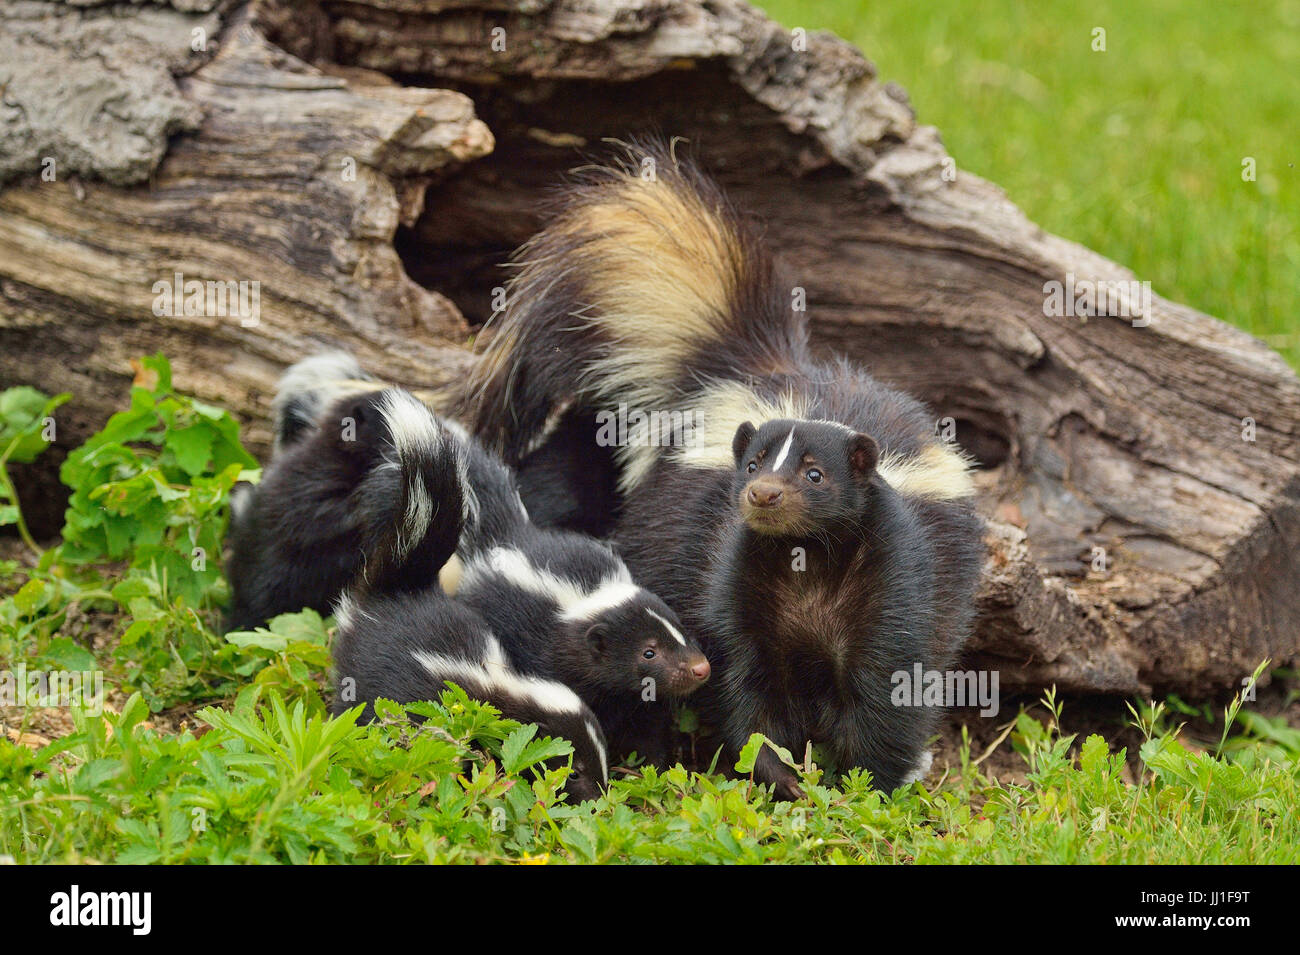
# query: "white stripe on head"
{"type": "Point", "coordinates": [785, 449]}
{"type": "Point", "coordinates": [594, 733]}
{"type": "Point", "coordinates": [677, 634]}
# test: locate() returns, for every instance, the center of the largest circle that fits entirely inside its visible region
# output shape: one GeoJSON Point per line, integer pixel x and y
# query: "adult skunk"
{"type": "Point", "coordinates": [800, 517]}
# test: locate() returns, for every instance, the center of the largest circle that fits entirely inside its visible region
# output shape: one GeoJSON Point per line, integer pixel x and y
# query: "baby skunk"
{"type": "Point", "coordinates": [400, 638]}
{"type": "Point", "coordinates": [567, 608]}
{"type": "Point", "coordinates": [562, 604]}
{"type": "Point", "coordinates": [859, 549]}
{"type": "Point", "coordinates": [296, 539]}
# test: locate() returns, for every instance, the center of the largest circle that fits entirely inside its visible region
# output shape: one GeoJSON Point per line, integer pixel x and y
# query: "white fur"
{"type": "Point", "coordinates": [611, 593]}
{"type": "Point", "coordinates": [492, 674]}
{"type": "Point", "coordinates": [785, 450]}
{"type": "Point", "coordinates": [346, 612]}
{"type": "Point", "coordinates": [574, 601]}
{"type": "Point", "coordinates": [241, 499]}
{"type": "Point", "coordinates": [677, 634]}
{"type": "Point", "coordinates": [415, 435]}
{"type": "Point", "coordinates": [920, 770]}
{"type": "Point", "coordinates": [594, 733]}
{"type": "Point", "coordinates": [938, 472]}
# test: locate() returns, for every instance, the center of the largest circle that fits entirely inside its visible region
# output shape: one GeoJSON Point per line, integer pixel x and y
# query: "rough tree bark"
{"type": "Point", "coordinates": [371, 164]}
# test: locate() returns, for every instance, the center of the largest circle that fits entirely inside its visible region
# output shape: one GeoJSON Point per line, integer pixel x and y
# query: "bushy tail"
{"type": "Point", "coordinates": [645, 282]}
{"type": "Point", "coordinates": [412, 503]}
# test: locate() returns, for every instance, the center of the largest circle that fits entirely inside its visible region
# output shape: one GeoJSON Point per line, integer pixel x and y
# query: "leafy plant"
{"type": "Point", "coordinates": [26, 429]}
{"type": "Point", "coordinates": [263, 774]}
{"type": "Point", "coordinates": [152, 486]}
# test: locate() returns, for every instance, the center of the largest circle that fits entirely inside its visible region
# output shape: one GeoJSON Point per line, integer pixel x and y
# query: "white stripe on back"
{"type": "Point", "coordinates": [574, 602]}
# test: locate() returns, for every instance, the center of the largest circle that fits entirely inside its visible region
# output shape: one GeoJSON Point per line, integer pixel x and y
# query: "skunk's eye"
{"type": "Point", "coordinates": [752, 467]}
{"type": "Point", "coordinates": [649, 653]}
{"type": "Point", "coordinates": [815, 475]}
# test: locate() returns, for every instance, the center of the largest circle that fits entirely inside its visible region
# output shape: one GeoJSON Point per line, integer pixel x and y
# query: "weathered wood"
{"type": "Point", "coordinates": [297, 179]}
{"type": "Point", "coordinates": [1099, 435]}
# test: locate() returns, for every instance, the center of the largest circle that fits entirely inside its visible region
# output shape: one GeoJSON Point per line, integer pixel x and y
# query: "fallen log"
{"type": "Point", "coordinates": [370, 165]}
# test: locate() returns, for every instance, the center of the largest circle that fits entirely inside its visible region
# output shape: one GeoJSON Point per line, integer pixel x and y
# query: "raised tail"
{"type": "Point", "coordinates": [413, 503]}
{"type": "Point", "coordinates": [645, 282]}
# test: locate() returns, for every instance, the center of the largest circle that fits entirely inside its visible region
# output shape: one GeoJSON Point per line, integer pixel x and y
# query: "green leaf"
{"type": "Point", "coordinates": [192, 447]}
{"type": "Point", "coordinates": [32, 596]}
{"type": "Point", "coordinates": [749, 753]}
{"type": "Point", "coordinates": [68, 654]}
{"type": "Point", "coordinates": [1093, 756]}
{"type": "Point", "coordinates": [23, 413]}
{"type": "Point", "coordinates": [512, 749]}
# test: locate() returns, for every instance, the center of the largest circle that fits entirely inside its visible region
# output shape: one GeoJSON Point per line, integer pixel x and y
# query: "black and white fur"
{"type": "Point", "coordinates": [400, 638]}
{"type": "Point", "coordinates": [655, 294]}
{"type": "Point", "coordinates": [298, 538]}
{"type": "Point", "coordinates": [562, 604]}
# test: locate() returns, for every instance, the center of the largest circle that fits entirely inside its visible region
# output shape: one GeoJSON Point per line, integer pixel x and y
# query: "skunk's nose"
{"type": "Point", "coordinates": [701, 670]}
{"type": "Point", "coordinates": [765, 495]}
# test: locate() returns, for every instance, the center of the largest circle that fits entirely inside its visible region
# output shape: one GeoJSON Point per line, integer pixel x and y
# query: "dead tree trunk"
{"type": "Point", "coordinates": [371, 164]}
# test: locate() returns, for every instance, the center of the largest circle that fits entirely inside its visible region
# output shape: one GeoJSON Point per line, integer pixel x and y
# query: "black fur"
{"type": "Point", "coordinates": [309, 529]}
{"type": "Point", "coordinates": [569, 482]}
{"type": "Point", "coordinates": [798, 655]}
{"type": "Point", "coordinates": [393, 613]}
{"type": "Point", "coordinates": [296, 539]}
{"type": "Point", "coordinates": [377, 653]}
{"type": "Point", "coordinates": [602, 657]}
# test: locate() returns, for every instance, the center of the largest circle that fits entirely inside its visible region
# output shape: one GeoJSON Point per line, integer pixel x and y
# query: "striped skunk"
{"type": "Point", "coordinates": [563, 605]}
{"type": "Point", "coordinates": [296, 539]}
{"type": "Point", "coordinates": [400, 638]}
{"type": "Point", "coordinates": [650, 295]}
{"type": "Point", "coordinates": [569, 609]}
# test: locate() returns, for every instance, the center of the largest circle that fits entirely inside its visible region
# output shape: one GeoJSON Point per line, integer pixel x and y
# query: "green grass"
{"type": "Point", "coordinates": [1135, 152]}
{"type": "Point", "coordinates": [216, 748]}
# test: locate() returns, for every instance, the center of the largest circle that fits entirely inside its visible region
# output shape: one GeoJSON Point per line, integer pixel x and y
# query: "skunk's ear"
{"type": "Point", "coordinates": [863, 452]}
{"type": "Point", "coordinates": [596, 638]}
{"type": "Point", "coordinates": [740, 443]}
